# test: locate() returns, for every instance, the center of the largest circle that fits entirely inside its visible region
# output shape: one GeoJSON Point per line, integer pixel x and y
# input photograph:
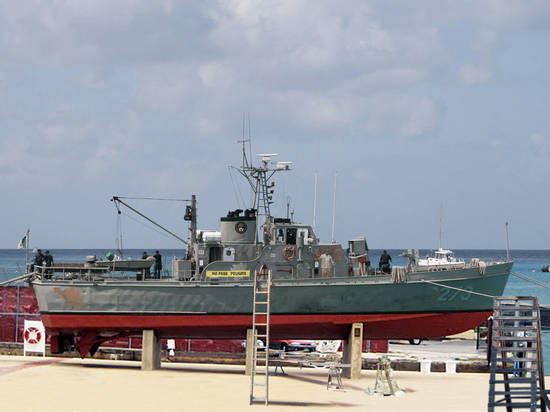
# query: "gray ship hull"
{"type": "Point", "coordinates": [305, 308]}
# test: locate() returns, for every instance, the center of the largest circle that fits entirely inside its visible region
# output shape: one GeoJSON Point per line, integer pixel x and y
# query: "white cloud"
{"type": "Point", "coordinates": [94, 79]}
{"type": "Point", "coordinates": [538, 139]}
{"type": "Point", "coordinates": [484, 40]}
{"type": "Point", "coordinates": [471, 74]}
{"type": "Point", "coordinates": [310, 66]}
{"type": "Point", "coordinates": [167, 87]}
{"type": "Point", "coordinates": [511, 13]}
{"type": "Point", "coordinates": [149, 96]}
{"type": "Point", "coordinates": [398, 114]}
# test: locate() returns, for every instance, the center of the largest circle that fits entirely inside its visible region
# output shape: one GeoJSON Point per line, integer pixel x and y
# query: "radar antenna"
{"type": "Point", "coordinates": [259, 178]}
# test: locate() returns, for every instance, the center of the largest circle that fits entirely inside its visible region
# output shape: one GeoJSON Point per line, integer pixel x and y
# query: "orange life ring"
{"type": "Point", "coordinates": [33, 335]}
{"type": "Point", "coordinates": [289, 252]}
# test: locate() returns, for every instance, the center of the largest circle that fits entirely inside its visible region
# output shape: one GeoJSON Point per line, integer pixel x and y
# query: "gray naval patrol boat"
{"type": "Point", "coordinates": [317, 290]}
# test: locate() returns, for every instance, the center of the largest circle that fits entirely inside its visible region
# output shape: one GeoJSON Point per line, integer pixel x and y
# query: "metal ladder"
{"type": "Point", "coordinates": [260, 326]}
{"type": "Point", "coordinates": [516, 355]}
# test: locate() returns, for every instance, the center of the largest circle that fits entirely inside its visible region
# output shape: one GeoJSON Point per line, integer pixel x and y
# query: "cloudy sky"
{"type": "Point", "coordinates": [412, 104]}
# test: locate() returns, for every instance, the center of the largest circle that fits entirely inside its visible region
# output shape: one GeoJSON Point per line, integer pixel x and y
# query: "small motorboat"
{"type": "Point", "coordinates": [442, 257]}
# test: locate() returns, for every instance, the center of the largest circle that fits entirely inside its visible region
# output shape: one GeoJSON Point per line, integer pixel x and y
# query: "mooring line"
{"type": "Point", "coordinates": [528, 279]}
{"type": "Point", "coordinates": [519, 275]}
{"type": "Point", "coordinates": [536, 282]}
{"type": "Point", "coordinates": [459, 289]}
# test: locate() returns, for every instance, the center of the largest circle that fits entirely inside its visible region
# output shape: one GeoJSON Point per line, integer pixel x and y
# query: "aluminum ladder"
{"type": "Point", "coordinates": [260, 326]}
{"type": "Point", "coordinates": [516, 364]}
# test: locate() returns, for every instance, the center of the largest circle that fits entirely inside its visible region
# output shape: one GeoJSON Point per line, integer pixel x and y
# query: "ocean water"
{"type": "Point", "coordinates": [526, 262]}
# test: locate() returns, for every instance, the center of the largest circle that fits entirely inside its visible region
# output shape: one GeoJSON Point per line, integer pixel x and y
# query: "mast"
{"type": "Point", "coordinates": [333, 207]}
{"type": "Point", "coordinates": [507, 243]}
{"type": "Point", "coordinates": [289, 212]}
{"type": "Point", "coordinates": [27, 249]}
{"type": "Point", "coordinates": [193, 219]}
{"type": "Point", "coordinates": [259, 179]}
{"type": "Point", "coordinates": [440, 223]}
{"type": "Point", "coordinates": [243, 141]}
{"type": "Point", "coordinates": [315, 201]}
{"type": "Point", "coordinates": [193, 229]}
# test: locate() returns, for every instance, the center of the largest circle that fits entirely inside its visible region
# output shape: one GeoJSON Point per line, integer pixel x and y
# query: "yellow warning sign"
{"type": "Point", "coordinates": [227, 273]}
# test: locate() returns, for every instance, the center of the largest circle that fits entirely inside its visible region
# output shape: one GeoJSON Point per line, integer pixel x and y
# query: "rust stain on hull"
{"type": "Point", "coordinates": [72, 296]}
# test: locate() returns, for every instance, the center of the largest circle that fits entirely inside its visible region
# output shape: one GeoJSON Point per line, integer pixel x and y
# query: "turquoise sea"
{"type": "Point", "coordinates": [526, 262]}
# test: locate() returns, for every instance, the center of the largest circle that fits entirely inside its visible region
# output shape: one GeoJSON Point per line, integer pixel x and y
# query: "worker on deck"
{"type": "Point", "coordinates": [326, 265]}
{"type": "Point", "coordinates": [147, 273]}
{"type": "Point", "coordinates": [384, 263]}
{"type": "Point", "coordinates": [158, 264]}
{"type": "Point", "coordinates": [48, 260]}
{"type": "Point", "coordinates": [38, 261]}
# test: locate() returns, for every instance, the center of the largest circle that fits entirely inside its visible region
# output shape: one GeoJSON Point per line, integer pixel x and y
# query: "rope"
{"type": "Point", "coordinates": [236, 189]}
{"type": "Point", "coordinates": [459, 289]}
{"type": "Point", "coordinates": [536, 282]}
{"type": "Point", "coordinates": [154, 198]}
{"type": "Point", "coordinates": [528, 279]}
{"type": "Point", "coordinates": [519, 275]}
{"type": "Point", "coordinates": [147, 226]}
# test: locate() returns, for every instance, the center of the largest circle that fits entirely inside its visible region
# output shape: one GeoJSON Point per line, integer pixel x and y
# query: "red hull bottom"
{"type": "Point", "coordinates": [376, 326]}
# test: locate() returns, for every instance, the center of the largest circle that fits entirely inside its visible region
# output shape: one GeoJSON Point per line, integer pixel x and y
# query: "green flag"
{"type": "Point", "coordinates": [22, 243]}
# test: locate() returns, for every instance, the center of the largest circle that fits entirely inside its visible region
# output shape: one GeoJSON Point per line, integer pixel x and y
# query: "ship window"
{"type": "Point", "coordinates": [291, 236]}
{"type": "Point", "coordinates": [215, 253]}
{"type": "Point", "coordinates": [280, 235]}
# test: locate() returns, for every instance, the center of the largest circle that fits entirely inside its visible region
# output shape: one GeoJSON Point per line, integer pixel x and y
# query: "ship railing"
{"type": "Point", "coordinates": [79, 271]}
{"type": "Point", "coordinates": [440, 268]}
{"type": "Point", "coordinates": [68, 271]}
{"type": "Point", "coordinates": [462, 265]}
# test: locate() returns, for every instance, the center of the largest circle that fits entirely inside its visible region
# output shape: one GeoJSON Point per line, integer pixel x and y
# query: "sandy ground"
{"type": "Point", "coordinates": [75, 385]}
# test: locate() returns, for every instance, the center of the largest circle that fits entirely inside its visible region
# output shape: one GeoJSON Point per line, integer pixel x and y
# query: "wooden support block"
{"type": "Point", "coordinates": [249, 351]}
{"type": "Point", "coordinates": [352, 354]}
{"type": "Point", "coordinates": [150, 352]}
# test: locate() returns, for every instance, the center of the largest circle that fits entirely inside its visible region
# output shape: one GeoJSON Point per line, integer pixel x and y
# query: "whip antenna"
{"type": "Point", "coordinates": [334, 207]}
{"type": "Point", "coordinates": [315, 200]}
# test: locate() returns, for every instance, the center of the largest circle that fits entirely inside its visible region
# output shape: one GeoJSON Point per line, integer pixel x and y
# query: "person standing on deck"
{"type": "Point", "coordinates": [384, 263]}
{"type": "Point", "coordinates": [158, 264]}
{"type": "Point", "coordinates": [144, 256]}
{"type": "Point", "coordinates": [48, 260]}
{"type": "Point", "coordinates": [38, 261]}
{"type": "Point", "coordinates": [326, 265]}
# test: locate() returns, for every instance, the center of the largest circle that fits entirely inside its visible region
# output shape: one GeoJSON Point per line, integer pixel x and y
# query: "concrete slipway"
{"type": "Point", "coordinates": [85, 385]}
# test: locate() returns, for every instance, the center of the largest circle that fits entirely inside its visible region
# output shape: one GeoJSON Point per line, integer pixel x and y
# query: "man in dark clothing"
{"type": "Point", "coordinates": [38, 261]}
{"type": "Point", "coordinates": [145, 255]}
{"type": "Point", "coordinates": [384, 263]}
{"type": "Point", "coordinates": [158, 264]}
{"type": "Point", "coordinates": [48, 260]}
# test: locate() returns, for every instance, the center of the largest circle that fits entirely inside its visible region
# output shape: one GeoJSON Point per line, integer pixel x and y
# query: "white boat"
{"type": "Point", "coordinates": [442, 257]}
